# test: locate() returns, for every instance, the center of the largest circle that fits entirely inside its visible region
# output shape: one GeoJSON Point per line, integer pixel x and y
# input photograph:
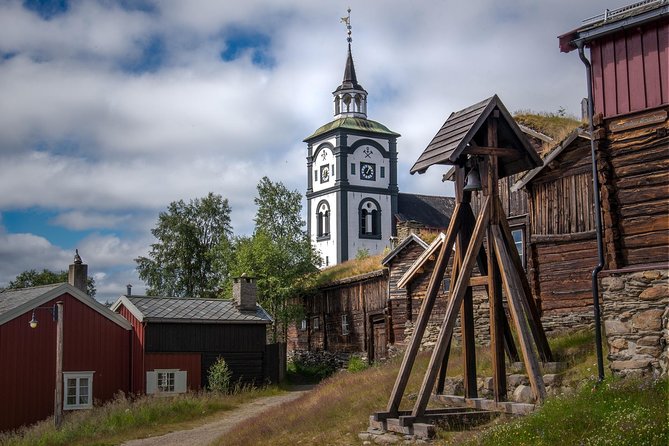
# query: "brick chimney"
{"type": "Point", "coordinates": [244, 293]}
{"type": "Point", "coordinates": [77, 276]}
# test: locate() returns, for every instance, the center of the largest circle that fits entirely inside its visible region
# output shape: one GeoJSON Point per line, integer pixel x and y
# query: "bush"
{"type": "Point", "coordinates": [219, 376]}
{"type": "Point", "coordinates": [356, 364]}
{"type": "Point", "coordinates": [313, 366]}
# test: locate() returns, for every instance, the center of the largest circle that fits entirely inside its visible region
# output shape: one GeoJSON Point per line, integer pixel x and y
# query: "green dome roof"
{"type": "Point", "coordinates": [352, 123]}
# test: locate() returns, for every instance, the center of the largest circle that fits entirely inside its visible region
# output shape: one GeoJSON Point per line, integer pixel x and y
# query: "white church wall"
{"type": "Point", "coordinates": [355, 243]}
{"type": "Point", "coordinates": [369, 154]}
{"type": "Point", "coordinates": [326, 248]}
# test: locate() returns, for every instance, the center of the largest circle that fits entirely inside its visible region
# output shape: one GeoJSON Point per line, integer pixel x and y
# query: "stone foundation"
{"type": "Point", "coordinates": [635, 309]}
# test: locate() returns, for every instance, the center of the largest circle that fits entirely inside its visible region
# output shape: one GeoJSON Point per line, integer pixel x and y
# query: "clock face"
{"type": "Point", "coordinates": [325, 173]}
{"type": "Point", "coordinates": [368, 171]}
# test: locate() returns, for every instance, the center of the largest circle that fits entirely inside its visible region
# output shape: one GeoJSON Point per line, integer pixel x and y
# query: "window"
{"type": "Point", "coordinates": [519, 240]}
{"type": "Point", "coordinates": [382, 171]}
{"type": "Point", "coordinates": [352, 168]}
{"type": "Point", "coordinates": [303, 325]}
{"type": "Point", "coordinates": [78, 390]}
{"type": "Point", "coordinates": [369, 214]}
{"type": "Point", "coordinates": [323, 221]}
{"type": "Point", "coordinates": [166, 381]}
{"type": "Point", "coordinates": [316, 323]}
{"type": "Point", "coordinates": [344, 324]}
{"type": "Point", "coordinates": [315, 175]}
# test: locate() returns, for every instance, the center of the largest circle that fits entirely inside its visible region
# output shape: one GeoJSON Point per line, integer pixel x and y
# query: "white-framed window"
{"type": "Point", "coordinates": [166, 381]}
{"type": "Point", "coordinates": [352, 168]}
{"type": "Point", "coordinates": [303, 325]}
{"type": "Point", "coordinates": [316, 323]}
{"type": "Point", "coordinates": [369, 214]}
{"type": "Point", "coordinates": [344, 324]}
{"type": "Point", "coordinates": [382, 171]}
{"type": "Point", "coordinates": [323, 220]}
{"type": "Point", "coordinates": [77, 390]}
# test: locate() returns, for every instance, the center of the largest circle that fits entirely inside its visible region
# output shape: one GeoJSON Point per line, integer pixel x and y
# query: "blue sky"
{"type": "Point", "coordinates": [113, 109]}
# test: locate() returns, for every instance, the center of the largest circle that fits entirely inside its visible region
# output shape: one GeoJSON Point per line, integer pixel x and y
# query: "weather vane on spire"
{"type": "Point", "coordinates": [347, 20]}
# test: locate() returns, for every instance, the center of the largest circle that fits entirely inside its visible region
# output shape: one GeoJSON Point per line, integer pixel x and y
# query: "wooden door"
{"type": "Point", "coordinates": [379, 339]}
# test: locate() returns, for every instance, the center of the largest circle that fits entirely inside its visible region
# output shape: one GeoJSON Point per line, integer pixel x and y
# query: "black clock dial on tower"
{"type": "Point", "coordinates": [325, 173]}
{"type": "Point", "coordinates": [367, 171]}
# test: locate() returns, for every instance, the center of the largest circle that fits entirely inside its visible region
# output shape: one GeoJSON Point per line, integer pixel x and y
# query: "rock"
{"type": "Point", "coordinates": [386, 439]}
{"type": "Point", "coordinates": [523, 394]}
{"type": "Point", "coordinates": [650, 351]}
{"type": "Point", "coordinates": [554, 367]}
{"type": "Point", "coordinates": [517, 380]}
{"type": "Point", "coordinates": [614, 283]}
{"type": "Point", "coordinates": [649, 320]}
{"type": "Point", "coordinates": [652, 275]}
{"type": "Point", "coordinates": [618, 344]}
{"type": "Point", "coordinates": [655, 293]}
{"type": "Point", "coordinates": [630, 364]}
{"type": "Point", "coordinates": [366, 436]}
{"type": "Point", "coordinates": [649, 341]}
{"type": "Point", "coordinates": [552, 379]}
{"type": "Point", "coordinates": [615, 327]}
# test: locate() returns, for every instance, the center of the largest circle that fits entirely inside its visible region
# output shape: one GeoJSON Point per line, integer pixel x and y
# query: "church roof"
{"type": "Point", "coordinates": [352, 123]}
{"type": "Point", "coordinates": [431, 211]}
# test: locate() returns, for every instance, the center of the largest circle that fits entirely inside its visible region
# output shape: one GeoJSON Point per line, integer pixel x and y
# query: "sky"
{"type": "Point", "coordinates": [112, 109]}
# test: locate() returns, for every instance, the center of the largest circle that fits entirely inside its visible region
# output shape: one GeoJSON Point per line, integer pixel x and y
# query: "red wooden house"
{"type": "Point", "coordinates": [96, 359]}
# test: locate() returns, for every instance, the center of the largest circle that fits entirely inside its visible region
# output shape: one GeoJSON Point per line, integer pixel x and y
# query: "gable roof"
{"type": "Point", "coordinates": [421, 260]}
{"type": "Point", "coordinates": [431, 211]}
{"type": "Point", "coordinates": [573, 138]}
{"type": "Point", "coordinates": [413, 238]}
{"type": "Point", "coordinates": [14, 303]}
{"type": "Point", "coordinates": [190, 310]}
{"type": "Point", "coordinates": [466, 128]}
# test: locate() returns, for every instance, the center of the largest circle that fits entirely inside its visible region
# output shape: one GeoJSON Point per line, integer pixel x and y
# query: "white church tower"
{"type": "Point", "coordinates": [352, 176]}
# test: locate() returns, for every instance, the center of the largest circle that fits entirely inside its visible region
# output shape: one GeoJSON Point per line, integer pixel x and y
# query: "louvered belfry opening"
{"type": "Point", "coordinates": [485, 137]}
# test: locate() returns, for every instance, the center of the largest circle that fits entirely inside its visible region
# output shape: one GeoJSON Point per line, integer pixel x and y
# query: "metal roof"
{"type": "Point", "coordinates": [190, 310]}
{"type": "Point", "coordinates": [352, 123]}
{"type": "Point", "coordinates": [611, 21]}
{"type": "Point", "coordinates": [467, 127]}
{"type": "Point", "coordinates": [14, 303]}
{"type": "Point", "coordinates": [350, 81]}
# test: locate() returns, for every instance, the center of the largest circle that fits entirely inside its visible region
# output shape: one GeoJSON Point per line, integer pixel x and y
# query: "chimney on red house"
{"type": "Point", "coordinates": [77, 276]}
{"type": "Point", "coordinates": [244, 293]}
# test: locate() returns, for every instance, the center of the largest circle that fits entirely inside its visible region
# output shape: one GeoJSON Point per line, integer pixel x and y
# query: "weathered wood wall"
{"type": "Point", "coordinates": [399, 302]}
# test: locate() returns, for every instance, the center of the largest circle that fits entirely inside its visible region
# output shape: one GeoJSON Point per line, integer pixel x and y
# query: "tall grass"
{"type": "Point", "coordinates": [617, 412]}
{"type": "Point", "coordinates": [350, 268]}
{"type": "Point", "coordinates": [125, 418]}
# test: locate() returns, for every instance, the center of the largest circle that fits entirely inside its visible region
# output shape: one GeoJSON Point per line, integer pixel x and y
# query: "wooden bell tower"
{"type": "Point", "coordinates": [484, 138]}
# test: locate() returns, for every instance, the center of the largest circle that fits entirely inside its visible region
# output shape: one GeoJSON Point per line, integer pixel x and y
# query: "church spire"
{"type": "Point", "coordinates": [350, 99]}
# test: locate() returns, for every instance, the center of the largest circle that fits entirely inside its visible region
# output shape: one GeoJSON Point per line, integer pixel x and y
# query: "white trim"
{"type": "Point", "coordinates": [421, 260]}
{"type": "Point", "coordinates": [123, 300]}
{"type": "Point", "coordinates": [178, 385]}
{"type": "Point", "coordinates": [88, 397]}
{"type": "Point", "coordinates": [65, 288]}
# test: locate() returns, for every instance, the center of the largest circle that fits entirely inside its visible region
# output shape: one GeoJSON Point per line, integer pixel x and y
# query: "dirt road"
{"type": "Point", "coordinates": [207, 433]}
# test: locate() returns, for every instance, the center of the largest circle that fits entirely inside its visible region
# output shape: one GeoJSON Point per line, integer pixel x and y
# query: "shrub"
{"type": "Point", "coordinates": [219, 376]}
{"type": "Point", "coordinates": [356, 364]}
{"type": "Point", "coordinates": [313, 366]}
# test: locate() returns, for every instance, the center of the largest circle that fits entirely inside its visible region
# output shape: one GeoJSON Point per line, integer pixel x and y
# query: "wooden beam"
{"type": "Point", "coordinates": [426, 309]}
{"type": "Point", "coordinates": [478, 281]}
{"type": "Point", "coordinates": [494, 151]}
{"type": "Point", "coordinates": [467, 317]}
{"type": "Point", "coordinates": [537, 328]}
{"type": "Point", "coordinates": [497, 327]}
{"type": "Point", "coordinates": [514, 295]}
{"type": "Point", "coordinates": [451, 311]}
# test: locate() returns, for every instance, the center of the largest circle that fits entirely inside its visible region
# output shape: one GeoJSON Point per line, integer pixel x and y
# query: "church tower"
{"type": "Point", "coordinates": [352, 176]}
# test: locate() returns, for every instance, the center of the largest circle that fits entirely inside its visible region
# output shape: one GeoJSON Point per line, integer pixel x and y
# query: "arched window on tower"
{"type": "Point", "coordinates": [347, 102]}
{"type": "Point", "coordinates": [358, 107]}
{"type": "Point", "coordinates": [336, 105]}
{"type": "Point", "coordinates": [323, 221]}
{"type": "Point", "coordinates": [369, 213]}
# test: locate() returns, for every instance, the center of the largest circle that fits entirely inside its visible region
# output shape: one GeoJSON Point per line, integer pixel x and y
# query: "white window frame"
{"type": "Point", "coordinates": [315, 322]}
{"type": "Point", "coordinates": [520, 245]}
{"type": "Point", "coordinates": [179, 381]}
{"type": "Point", "coordinates": [78, 395]}
{"type": "Point", "coordinates": [303, 325]}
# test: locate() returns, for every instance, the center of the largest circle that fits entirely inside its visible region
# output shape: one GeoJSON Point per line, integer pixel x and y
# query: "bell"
{"type": "Point", "coordinates": [473, 180]}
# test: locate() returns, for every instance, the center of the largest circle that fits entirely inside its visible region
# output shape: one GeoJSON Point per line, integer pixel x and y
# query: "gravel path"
{"type": "Point", "coordinates": [207, 433]}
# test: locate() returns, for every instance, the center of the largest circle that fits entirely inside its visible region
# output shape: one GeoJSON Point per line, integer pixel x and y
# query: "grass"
{"type": "Point", "coordinates": [350, 268]}
{"type": "Point", "coordinates": [615, 412]}
{"type": "Point", "coordinates": [124, 419]}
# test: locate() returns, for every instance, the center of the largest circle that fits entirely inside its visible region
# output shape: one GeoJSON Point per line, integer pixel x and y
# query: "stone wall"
{"type": "Point", "coordinates": [635, 309]}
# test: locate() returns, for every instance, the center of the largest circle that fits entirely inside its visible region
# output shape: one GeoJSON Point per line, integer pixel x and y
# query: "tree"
{"type": "Point", "coordinates": [193, 249]}
{"type": "Point", "coordinates": [46, 277]}
{"type": "Point", "coordinates": [279, 254]}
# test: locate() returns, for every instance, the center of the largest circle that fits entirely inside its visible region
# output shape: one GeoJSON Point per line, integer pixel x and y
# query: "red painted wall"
{"type": "Point", "coordinates": [91, 342]}
{"type": "Point", "coordinates": [138, 376]}
{"type": "Point", "coordinates": [631, 70]}
{"type": "Point", "coordinates": [190, 362]}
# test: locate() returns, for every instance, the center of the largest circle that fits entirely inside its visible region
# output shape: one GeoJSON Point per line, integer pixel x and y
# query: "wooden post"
{"type": "Point", "coordinates": [514, 293]}
{"type": "Point", "coordinates": [451, 311]}
{"type": "Point", "coordinates": [58, 393]}
{"type": "Point", "coordinates": [424, 314]}
{"type": "Point", "coordinates": [467, 316]}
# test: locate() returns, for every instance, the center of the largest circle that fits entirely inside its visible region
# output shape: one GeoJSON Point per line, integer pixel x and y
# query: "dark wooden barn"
{"type": "Point", "coordinates": [176, 340]}
{"type": "Point", "coordinates": [96, 353]}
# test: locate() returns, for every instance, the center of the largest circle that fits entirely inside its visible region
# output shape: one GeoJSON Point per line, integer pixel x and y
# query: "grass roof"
{"type": "Point", "coordinates": [350, 268]}
{"type": "Point", "coordinates": [550, 124]}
